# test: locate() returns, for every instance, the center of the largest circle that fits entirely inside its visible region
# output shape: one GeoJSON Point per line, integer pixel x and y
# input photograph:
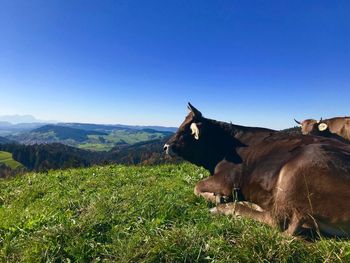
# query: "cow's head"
{"type": "Point", "coordinates": [321, 128]}
{"type": "Point", "coordinates": [306, 125]}
{"type": "Point", "coordinates": [201, 141]}
{"type": "Point", "coordinates": [187, 142]}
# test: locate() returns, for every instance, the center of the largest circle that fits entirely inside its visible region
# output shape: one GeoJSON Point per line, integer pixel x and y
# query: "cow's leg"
{"type": "Point", "coordinates": [295, 225]}
{"type": "Point", "coordinates": [215, 189]}
{"type": "Point", "coordinates": [210, 197]}
{"type": "Point", "coordinates": [246, 210]}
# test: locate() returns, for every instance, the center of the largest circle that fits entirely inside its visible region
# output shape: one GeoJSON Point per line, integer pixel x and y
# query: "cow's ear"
{"type": "Point", "coordinates": [196, 112]}
{"type": "Point", "coordinates": [322, 126]}
{"type": "Point", "coordinates": [195, 130]}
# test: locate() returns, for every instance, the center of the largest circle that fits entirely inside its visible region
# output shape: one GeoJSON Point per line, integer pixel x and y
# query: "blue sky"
{"type": "Point", "coordinates": [256, 63]}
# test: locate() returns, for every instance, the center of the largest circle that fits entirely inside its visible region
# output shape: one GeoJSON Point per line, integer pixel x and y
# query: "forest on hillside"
{"type": "Point", "coordinates": [43, 157]}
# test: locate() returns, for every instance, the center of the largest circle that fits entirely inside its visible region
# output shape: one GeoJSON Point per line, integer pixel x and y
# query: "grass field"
{"type": "Point", "coordinates": [136, 214]}
{"type": "Point", "coordinates": [94, 141]}
{"type": "Point", "coordinates": [6, 158]}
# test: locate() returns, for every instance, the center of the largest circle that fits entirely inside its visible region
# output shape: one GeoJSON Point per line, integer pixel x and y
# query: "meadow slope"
{"type": "Point", "coordinates": [136, 214]}
{"type": "Point", "coordinates": [6, 158]}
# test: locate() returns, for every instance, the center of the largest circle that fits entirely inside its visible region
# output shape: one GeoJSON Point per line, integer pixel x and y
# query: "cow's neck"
{"type": "Point", "coordinates": [229, 138]}
{"type": "Point", "coordinates": [245, 135]}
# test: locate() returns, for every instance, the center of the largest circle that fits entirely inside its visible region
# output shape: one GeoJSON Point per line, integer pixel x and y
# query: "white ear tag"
{"type": "Point", "coordinates": [195, 131]}
{"type": "Point", "coordinates": [322, 127]}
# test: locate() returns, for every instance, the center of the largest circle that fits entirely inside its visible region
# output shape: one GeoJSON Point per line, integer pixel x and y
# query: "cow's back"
{"type": "Point", "coordinates": [345, 132]}
{"type": "Point", "coordinates": [264, 161]}
{"type": "Point", "coordinates": [303, 173]}
{"type": "Point", "coordinates": [340, 126]}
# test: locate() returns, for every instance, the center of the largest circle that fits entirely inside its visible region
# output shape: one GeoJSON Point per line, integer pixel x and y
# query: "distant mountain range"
{"type": "Point", "coordinates": [30, 121]}
{"type": "Point", "coordinates": [105, 127]}
{"type": "Point", "coordinates": [11, 125]}
{"type": "Point", "coordinates": [7, 128]}
{"type": "Point", "coordinates": [15, 119]}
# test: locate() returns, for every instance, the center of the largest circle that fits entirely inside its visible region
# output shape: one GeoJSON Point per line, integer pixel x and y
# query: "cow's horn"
{"type": "Point", "coordinates": [196, 112]}
{"type": "Point", "coordinates": [297, 121]}
{"type": "Point", "coordinates": [322, 126]}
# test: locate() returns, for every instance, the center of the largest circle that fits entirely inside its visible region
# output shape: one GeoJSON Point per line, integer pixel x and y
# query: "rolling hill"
{"type": "Point", "coordinates": [148, 152]}
{"type": "Point", "coordinates": [88, 136]}
{"type": "Point", "coordinates": [66, 133]}
{"type": "Point", "coordinates": [6, 159]}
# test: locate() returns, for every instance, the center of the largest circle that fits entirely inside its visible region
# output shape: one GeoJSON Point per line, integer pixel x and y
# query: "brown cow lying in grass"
{"type": "Point", "coordinates": [298, 181]}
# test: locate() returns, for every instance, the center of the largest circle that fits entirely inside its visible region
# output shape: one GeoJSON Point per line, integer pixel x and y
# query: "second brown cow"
{"type": "Point", "coordinates": [337, 125]}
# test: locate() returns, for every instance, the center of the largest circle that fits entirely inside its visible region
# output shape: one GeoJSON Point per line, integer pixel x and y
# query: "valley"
{"type": "Point", "coordinates": [64, 145]}
{"type": "Point", "coordinates": [92, 137]}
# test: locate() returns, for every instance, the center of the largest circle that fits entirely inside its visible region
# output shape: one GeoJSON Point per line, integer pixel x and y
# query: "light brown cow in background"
{"type": "Point", "coordinates": [337, 125]}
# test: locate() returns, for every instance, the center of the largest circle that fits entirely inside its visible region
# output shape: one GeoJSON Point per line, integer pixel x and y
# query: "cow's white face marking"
{"type": "Point", "coordinates": [195, 131]}
{"type": "Point", "coordinates": [322, 127]}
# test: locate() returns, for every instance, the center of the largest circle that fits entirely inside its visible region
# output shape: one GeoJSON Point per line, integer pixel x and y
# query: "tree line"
{"type": "Point", "coordinates": [43, 157]}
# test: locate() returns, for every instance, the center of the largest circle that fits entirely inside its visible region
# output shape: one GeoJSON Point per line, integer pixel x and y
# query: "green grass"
{"type": "Point", "coordinates": [130, 137]}
{"type": "Point", "coordinates": [136, 214]}
{"type": "Point", "coordinates": [96, 146]}
{"type": "Point", "coordinates": [94, 141]}
{"type": "Point", "coordinates": [6, 158]}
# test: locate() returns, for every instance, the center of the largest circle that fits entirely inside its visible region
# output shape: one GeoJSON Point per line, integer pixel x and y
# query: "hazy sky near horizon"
{"type": "Point", "coordinates": [256, 63]}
